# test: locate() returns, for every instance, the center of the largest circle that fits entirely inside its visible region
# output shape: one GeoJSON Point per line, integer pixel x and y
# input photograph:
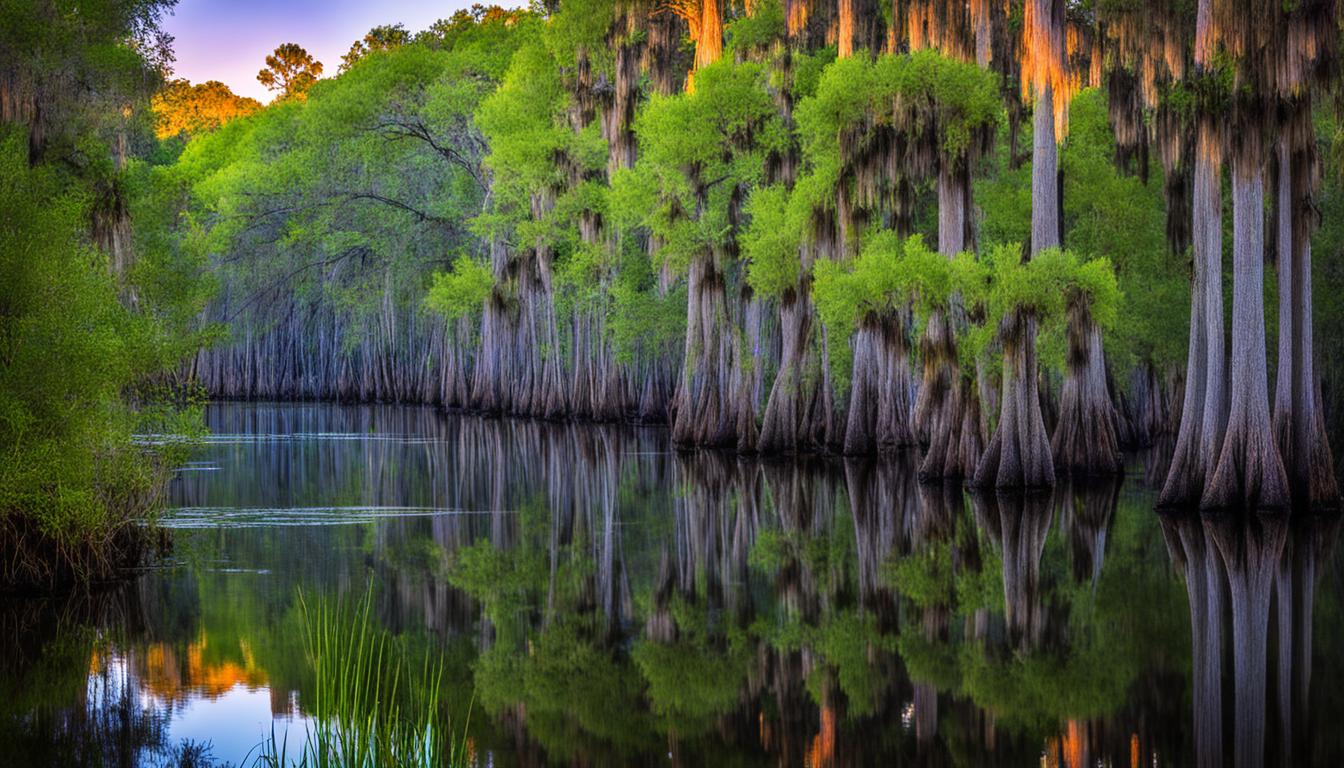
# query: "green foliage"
{"type": "Point", "coordinates": [643, 320]}
{"type": "Point", "coordinates": [1047, 284]}
{"type": "Point", "coordinates": [771, 242]}
{"type": "Point", "coordinates": [1112, 216]}
{"type": "Point", "coordinates": [754, 34]}
{"type": "Point", "coordinates": [68, 349]}
{"type": "Point", "coordinates": [807, 71]}
{"type": "Point", "coordinates": [89, 69]}
{"type": "Point", "coordinates": [697, 150]}
{"type": "Point", "coordinates": [580, 29]}
{"type": "Point", "coordinates": [911, 92]}
{"type": "Point", "coordinates": [380, 38]}
{"type": "Point", "coordinates": [461, 292]}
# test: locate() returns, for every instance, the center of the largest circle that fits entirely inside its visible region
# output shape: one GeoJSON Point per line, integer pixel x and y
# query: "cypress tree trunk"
{"type": "Point", "coordinates": [1299, 424]}
{"type": "Point", "coordinates": [879, 405]}
{"type": "Point", "coordinates": [490, 390]}
{"type": "Point", "coordinates": [1199, 443]}
{"type": "Point", "coordinates": [1084, 441]}
{"type": "Point", "coordinates": [705, 404]}
{"type": "Point", "coordinates": [1044, 175]}
{"type": "Point", "coordinates": [747, 363]}
{"type": "Point", "coordinates": [781, 426]}
{"type": "Point", "coordinates": [1018, 455]}
{"type": "Point", "coordinates": [1203, 414]}
{"type": "Point", "coordinates": [895, 382]}
{"type": "Point", "coordinates": [860, 424]}
{"type": "Point", "coordinates": [1283, 251]}
{"type": "Point", "coordinates": [1249, 472]}
{"type": "Point", "coordinates": [947, 406]}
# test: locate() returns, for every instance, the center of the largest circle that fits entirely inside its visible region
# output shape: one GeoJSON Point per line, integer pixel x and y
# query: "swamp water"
{"type": "Point", "coordinates": [589, 597]}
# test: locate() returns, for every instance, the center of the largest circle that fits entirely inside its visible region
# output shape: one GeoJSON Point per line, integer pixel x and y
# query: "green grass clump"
{"type": "Point", "coordinates": [374, 706]}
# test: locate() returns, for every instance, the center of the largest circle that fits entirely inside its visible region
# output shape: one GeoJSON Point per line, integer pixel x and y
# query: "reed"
{"type": "Point", "coordinates": [374, 706]}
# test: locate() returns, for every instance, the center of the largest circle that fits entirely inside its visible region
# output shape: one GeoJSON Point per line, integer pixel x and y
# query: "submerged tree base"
{"type": "Point", "coordinates": [33, 561]}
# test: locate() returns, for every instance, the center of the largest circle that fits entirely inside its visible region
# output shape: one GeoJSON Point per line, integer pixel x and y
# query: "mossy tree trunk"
{"type": "Point", "coordinates": [947, 412]}
{"type": "Point", "coordinates": [705, 404]}
{"type": "Point", "coordinates": [783, 427]}
{"type": "Point", "coordinates": [1084, 443]}
{"type": "Point", "coordinates": [879, 405]}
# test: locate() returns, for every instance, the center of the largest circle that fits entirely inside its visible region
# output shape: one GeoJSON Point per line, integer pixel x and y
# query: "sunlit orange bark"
{"type": "Point", "coordinates": [704, 18]}
{"type": "Point", "coordinates": [845, 29]}
{"type": "Point", "coordinates": [1043, 61]}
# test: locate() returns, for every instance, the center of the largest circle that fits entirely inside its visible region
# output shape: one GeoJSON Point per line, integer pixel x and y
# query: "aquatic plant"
{"type": "Point", "coordinates": [374, 706]}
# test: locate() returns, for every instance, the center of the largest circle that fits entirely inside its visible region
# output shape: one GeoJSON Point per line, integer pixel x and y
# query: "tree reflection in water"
{"type": "Point", "coordinates": [1260, 570]}
{"type": "Point", "coordinates": [600, 599]}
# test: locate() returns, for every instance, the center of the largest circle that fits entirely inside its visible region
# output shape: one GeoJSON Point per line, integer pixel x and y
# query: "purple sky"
{"type": "Point", "coordinates": [228, 40]}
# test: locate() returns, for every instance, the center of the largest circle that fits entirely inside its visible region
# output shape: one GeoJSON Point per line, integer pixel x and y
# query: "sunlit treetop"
{"type": "Point", "coordinates": [183, 108]}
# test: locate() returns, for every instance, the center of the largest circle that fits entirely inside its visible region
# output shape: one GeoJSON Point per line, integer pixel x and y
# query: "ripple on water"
{"type": "Point", "coordinates": [264, 517]}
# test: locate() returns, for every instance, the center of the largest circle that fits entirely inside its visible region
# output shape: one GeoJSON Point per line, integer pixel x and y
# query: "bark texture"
{"type": "Point", "coordinates": [706, 408]}
{"type": "Point", "coordinates": [1018, 455]}
{"type": "Point", "coordinates": [1299, 422]}
{"type": "Point", "coordinates": [1249, 473]}
{"type": "Point", "coordinates": [1084, 442]}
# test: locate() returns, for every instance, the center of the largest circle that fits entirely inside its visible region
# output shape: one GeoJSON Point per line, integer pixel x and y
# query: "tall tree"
{"type": "Point", "coordinates": [1249, 471]}
{"type": "Point", "coordinates": [1204, 411]}
{"type": "Point", "coordinates": [1299, 422]}
{"type": "Point", "coordinates": [1018, 454]}
{"type": "Point", "coordinates": [290, 70]}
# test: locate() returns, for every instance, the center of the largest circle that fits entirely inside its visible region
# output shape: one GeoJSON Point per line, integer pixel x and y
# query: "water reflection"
{"type": "Point", "coordinates": [601, 600]}
{"type": "Point", "coordinates": [1262, 572]}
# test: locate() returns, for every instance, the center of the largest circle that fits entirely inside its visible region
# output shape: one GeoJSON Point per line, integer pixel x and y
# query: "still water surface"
{"type": "Point", "coordinates": [600, 600]}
